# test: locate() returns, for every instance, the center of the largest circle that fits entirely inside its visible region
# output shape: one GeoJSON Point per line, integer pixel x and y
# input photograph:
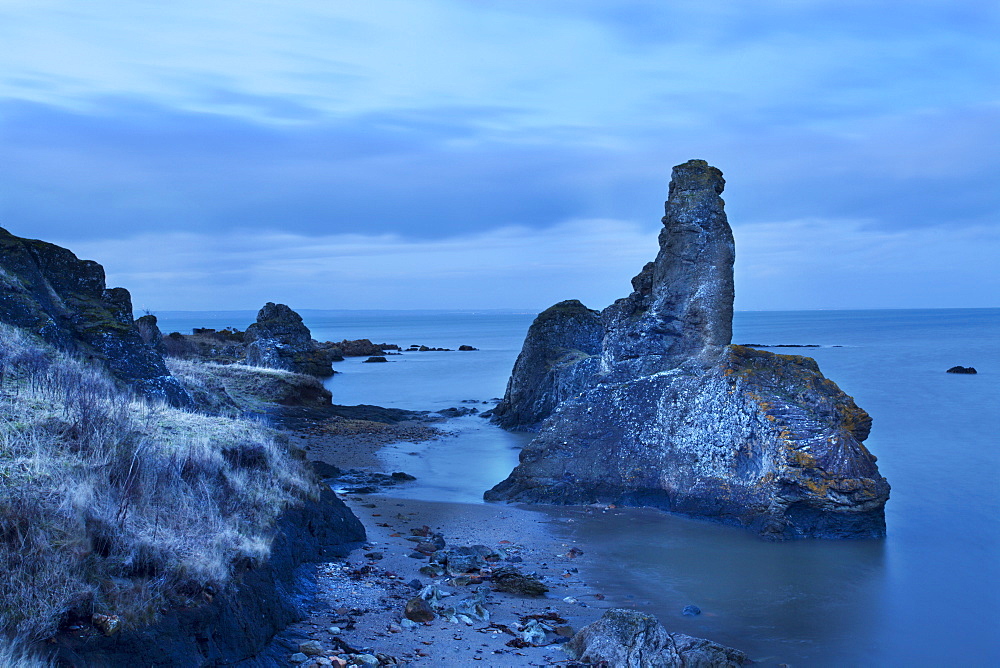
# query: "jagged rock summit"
{"type": "Point", "coordinates": [649, 404]}
{"type": "Point", "coordinates": [48, 291]}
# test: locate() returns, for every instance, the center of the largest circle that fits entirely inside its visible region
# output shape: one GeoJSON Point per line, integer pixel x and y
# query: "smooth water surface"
{"type": "Point", "coordinates": [928, 595]}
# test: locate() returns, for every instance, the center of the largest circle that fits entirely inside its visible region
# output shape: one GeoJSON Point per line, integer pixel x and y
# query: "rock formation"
{"type": "Point", "coordinates": [280, 340]}
{"type": "Point", "coordinates": [675, 417]}
{"type": "Point", "coordinates": [50, 292]}
{"type": "Point", "coordinates": [149, 332]}
{"type": "Point", "coordinates": [560, 354]}
{"type": "Point", "coordinates": [632, 639]}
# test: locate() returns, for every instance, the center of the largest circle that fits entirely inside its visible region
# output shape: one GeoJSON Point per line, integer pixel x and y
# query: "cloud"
{"type": "Point", "coordinates": [844, 264]}
{"type": "Point", "coordinates": [798, 264]}
{"type": "Point", "coordinates": [513, 267]}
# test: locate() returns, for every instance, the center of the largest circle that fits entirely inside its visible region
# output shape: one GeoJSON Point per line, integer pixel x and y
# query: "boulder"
{"type": "Point", "coordinates": [280, 340]}
{"type": "Point", "coordinates": [666, 413]}
{"type": "Point", "coordinates": [48, 291]}
{"type": "Point", "coordinates": [631, 639]}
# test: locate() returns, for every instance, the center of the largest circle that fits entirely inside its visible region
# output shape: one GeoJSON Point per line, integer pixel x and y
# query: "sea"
{"type": "Point", "coordinates": [926, 595]}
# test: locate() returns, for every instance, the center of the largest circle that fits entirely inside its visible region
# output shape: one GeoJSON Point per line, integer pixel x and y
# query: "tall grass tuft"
{"type": "Point", "coordinates": [113, 505]}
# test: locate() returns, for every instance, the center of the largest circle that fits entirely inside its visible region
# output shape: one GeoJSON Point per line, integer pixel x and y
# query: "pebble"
{"type": "Point", "coordinates": [311, 648]}
{"type": "Point", "coordinates": [334, 630]}
{"type": "Point", "coordinates": [298, 657]}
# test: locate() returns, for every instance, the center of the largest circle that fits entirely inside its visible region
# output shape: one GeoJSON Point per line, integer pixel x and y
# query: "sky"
{"type": "Point", "coordinates": [475, 154]}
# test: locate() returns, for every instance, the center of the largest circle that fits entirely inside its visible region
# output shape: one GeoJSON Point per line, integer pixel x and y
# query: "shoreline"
{"type": "Point", "coordinates": [365, 594]}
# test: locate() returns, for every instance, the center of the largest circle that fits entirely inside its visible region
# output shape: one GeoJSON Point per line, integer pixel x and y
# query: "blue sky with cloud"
{"type": "Point", "coordinates": [507, 154]}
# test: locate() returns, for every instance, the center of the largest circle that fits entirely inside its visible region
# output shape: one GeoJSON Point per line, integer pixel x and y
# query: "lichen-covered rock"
{"type": "Point", "coordinates": [48, 291]}
{"type": "Point", "coordinates": [631, 639]}
{"type": "Point", "coordinates": [559, 356]}
{"type": "Point", "coordinates": [280, 340]}
{"type": "Point", "coordinates": [677, 419]}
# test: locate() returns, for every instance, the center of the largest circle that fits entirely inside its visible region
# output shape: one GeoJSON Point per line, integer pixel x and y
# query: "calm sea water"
{"type": "Point", "coordinates": [928, 595]}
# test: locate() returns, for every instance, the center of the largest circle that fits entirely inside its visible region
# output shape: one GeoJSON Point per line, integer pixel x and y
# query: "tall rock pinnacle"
{"type": "Point", "coordinates": [681, 306]}
{"type": "Point", "coordinates": [666, 413]}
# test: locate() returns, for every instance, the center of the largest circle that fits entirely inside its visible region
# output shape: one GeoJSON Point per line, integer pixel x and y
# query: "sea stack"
{"type": "Point", "coordinates": [667, 413]}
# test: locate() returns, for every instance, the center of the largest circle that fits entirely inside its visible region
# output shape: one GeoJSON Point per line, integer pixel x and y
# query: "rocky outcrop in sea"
{"type": "Point", "coordinates": [48, 291]}
{"type": "Point", "coordinates": [665, 412]}
{"type": "Point", "coordinates": [280, 340]}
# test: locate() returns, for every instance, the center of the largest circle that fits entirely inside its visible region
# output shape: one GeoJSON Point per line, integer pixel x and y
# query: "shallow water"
{"type": "Point", "coordinates": [928, 595]}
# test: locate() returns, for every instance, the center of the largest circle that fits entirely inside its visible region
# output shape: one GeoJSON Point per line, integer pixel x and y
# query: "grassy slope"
{"type": "Point", "coordinates": [111, 505]}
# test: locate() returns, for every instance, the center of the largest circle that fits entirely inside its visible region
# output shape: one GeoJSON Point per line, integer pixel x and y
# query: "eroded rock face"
{"type": "Point", "coordinates": [559, 356]}
{"type": "Point", "coordinates": [676, 418]}
{"type": "Point", "coordinates": [47, 290]}
{"type": "Point", "coordinates": [632, 639]}
{"type": "Point", "coordinates": [280, 340]}
{"type": "Point", "coordinates": [681, 306]}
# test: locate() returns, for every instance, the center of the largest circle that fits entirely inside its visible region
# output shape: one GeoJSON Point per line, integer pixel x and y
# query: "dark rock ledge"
{"type": "Point", "coordinates": [235, 626]}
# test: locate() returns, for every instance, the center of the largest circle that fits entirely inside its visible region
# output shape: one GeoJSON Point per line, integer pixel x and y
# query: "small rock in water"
{"type": "Point", "coordinates": [375, 359]}
{"type": "Point", "coordinates": [962, 369]}
{"type": "Point", "coordinates": [691, 610]}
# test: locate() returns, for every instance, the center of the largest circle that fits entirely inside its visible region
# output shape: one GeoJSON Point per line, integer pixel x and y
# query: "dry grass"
{"type": "Point", "coordinates": [113, 505]}
{"type": "Point", "coordinates": [246, 389]}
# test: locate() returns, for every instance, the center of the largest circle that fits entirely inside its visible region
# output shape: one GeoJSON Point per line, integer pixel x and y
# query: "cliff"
{"type": "Point", "coordinates": [48, 291]}
{"type": "Point", "coordinates": [679, 419]}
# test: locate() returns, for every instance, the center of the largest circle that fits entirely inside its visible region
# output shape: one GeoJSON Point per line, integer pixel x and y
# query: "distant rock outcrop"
{"type": "Point", "coordinates": [962, 369]}
{"type": "Point", "coordinates": [149, 332]}
{"type": "Point", "coordinates": [560, 355]}
{"type": "Point", "coordinates": [280, 340]}
{"type": "Point", "coordinates": [675, 417]}
{"type": "Point", "coordinates": [47, 290]}
{"type": "Point", "coordinates": [632, 639]}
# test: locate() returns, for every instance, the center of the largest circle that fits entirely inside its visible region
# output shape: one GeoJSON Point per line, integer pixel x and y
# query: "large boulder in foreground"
{"type": "Point", "coordinates": [630, 639]}
{"type": "Point", "coordinates": [677, 418]}
{"type": "Point", "coordinates": [560, 355]}
{"type": "Point", "coordinates": [48, 291]}
{"type": "Point", "coordinates": [280, 340]}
